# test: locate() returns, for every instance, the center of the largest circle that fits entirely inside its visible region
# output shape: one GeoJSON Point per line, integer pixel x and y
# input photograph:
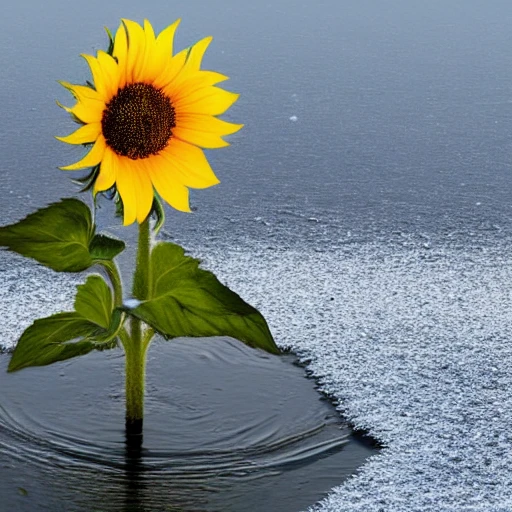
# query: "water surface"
{"type": "Point", "coordinates": [403, 112]}
{"type": "Point", "coordinates": [227, 428]}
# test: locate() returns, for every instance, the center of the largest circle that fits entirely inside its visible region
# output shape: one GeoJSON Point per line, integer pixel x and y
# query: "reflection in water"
{"type": "Point", "coordinates": [134, 467]}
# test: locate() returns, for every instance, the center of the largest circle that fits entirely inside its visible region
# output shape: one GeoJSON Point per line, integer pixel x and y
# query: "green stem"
{"type": "Point", "coordinates": [137, 343]}
{"type": "Point", "coordinates": [142, 278]}
{"type": "Point", "coordinates": [115, 278]}
{"type": "Point", "coordinates": [135, 379]}
{"type": "Point", "coordinates": [148, 335]}
{"type": "Point", "coordinates": [124, 337]}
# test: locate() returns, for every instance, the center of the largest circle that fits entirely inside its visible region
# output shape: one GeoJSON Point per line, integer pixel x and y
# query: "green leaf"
{"type": "Point", "coordinates": [94, 301]}
{"type": "Point", "coordinates": [64, 335]}
{"type": "Point", "coordinates": [60, 236]}
{"type": "Point", "coordinates": [57, 236]}
{"type": "Point", "coordinates": [189, 301]}
{"type": "Point", "coordinates": [105, 248]}
{"type": "Point", "coordinates": [45, 341]}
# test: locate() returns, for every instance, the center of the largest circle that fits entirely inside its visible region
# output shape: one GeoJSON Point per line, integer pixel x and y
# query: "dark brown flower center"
{"type": "Point", "coordinates": [138, 121]}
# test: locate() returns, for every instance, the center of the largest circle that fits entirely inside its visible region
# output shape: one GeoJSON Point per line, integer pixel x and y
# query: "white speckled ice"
{"type": "Point", "coordinates": [413, 342]}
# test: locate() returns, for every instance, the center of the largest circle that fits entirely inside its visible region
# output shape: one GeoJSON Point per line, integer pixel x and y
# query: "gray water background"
{"type": "Point", "coordinates": [402, 114]}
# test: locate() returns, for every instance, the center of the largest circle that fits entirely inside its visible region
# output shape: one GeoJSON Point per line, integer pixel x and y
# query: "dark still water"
{"type": "Point", "coordinates": [227, 428]}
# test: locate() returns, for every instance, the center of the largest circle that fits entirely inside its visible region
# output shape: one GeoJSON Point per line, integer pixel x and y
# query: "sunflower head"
{"type": "Point", "coordinates": [147, 116]}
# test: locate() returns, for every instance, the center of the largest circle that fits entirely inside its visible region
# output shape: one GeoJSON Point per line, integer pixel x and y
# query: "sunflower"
{"type": "Point", "coordinates": [148, 114]}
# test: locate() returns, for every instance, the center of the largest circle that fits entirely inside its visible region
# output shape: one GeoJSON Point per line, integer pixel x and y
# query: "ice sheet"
{"type": "Point", "coordinates": [415, 343]}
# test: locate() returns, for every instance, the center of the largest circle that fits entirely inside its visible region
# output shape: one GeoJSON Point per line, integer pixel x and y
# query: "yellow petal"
{"type": "Point", "coordinates": [145, 191]}
{"type": "Point", "coordinates": [126, 189]}
{"type": "Point", "coordinates": [207, 123]}
{"type": "Point", "coordinates": [87, 111]}
{"type": "Point", "coordinates": [160, 55]}
{"type": "Point", "coordinates": [82, 92]}
{"type": "Point", "coordinates": [134, 186]}
{"type": "Point", "coordinates": [108, 171]}
{"type": "Point", "coordinates": [84, 135]}
{"type": "Point", "coordinates": [89, 107]}
{"type": "Point", "coordinates": [149, 32]}
{"type": "Point", "coordinates": [159, 68]}
{"type": "Point", "coordinates": [165, 40]}
{"type": "Point", "coordinates": [190, 77]}
{"type": "Point", "coordinates": [110, 71]}
{"type": "Point", "coordinates": [97, 74]}
{"type": "Point", "coordinates": [211, 77]}
{"type": "Point", "coordinates": [196, 53]}
{"type": "Point", "coordinates": [188, 164]}
{"type": "Point", "coordinates": [120, 53]}
{"type": "Point", "coordinates": [92, 158]}
{"type": "Point", "coordinates": [136, 50]}
{"type": "Point", "coordinates": [170, 188]}
{"type": "Point", "coordinates": [204, 131]}
{"type": "Point", "coordinates": [171, 70]}
{"type": "Point", "coordinates": [186, 83]}
{"type": "Point", "coordinates": [148, 68]}
{"type": "Point", "coordinates": [208, 100]}
{"type": "Point", "coordinates": [198, 138]}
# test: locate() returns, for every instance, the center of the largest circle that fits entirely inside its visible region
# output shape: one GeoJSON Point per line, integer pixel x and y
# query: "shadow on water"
{"type": "Point", "coordinates": [227, 428]}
